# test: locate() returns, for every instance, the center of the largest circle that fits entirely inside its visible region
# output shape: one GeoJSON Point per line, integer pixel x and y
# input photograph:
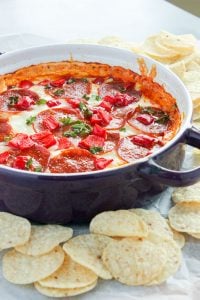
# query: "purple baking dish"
{"type": "Point", "coordinates": [63, 198]}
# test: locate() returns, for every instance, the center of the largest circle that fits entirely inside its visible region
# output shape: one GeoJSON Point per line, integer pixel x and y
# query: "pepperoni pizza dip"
{"type": "Point", "coordinates": [72, 117]}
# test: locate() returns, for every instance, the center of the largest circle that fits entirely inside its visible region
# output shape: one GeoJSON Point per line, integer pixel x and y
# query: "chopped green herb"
{"type": "Point", "coordinates": [95, 150]}
{"type": "Point", "coordinates": [30, 120]}
{"type": "Point", "coordinates": [149, 110]}
{"type": "Point", "coordinates": [13, 100]}
{"type": "Point", "coordinates": [84, 79]}
{"type": "Point", "coordinates": [67, 121]}
{"type": "Point", "coordinates": [71, 80]}
{"type": "Point", "coordinates": [7, 138]}
{"type": "Point", "coordinates": [95, 97]}
{"type": "Point", "coordinates": [123, 129]}
{"type": "Point", "coordinates": [85, 110]}
{"type": "Point", "coordinates": [86, 97]}
{"type": "Point", "coordinates": [41, 101]}
{"type": "Point", "coordinates": [122, 89]}
{"type": "Point", "coordinates": [38, 169]}
{"type": "Point", "coordinates": [29, 163]}
{"type": "Point", "coordinates": [59, 92]}
{"type": "Point", "coordinates": [78, 129]}
{"type": "Point", "coordinates": [163, 119]}
{"type": "Point", "coordinates": [47, 87]}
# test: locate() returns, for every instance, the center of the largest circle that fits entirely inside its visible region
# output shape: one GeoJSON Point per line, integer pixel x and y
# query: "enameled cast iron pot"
{"type": "Point", "coordinates": [54, 198]}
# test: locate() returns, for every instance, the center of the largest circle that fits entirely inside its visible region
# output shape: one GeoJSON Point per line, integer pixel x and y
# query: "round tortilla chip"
{"type": "Point", "coordinates": [58, 293]}
{"type": "Point", "coordinates": [121, 223]}
{"type": "Point", "coordinates": [14, 230]}
{"type": "Point", "coordinates": [156, 223]}
{"type": "Point", "coordinates": [19, 268]}
{"type": "Point", "coordinates": [45, 238]}
{"type": "Point", "coordinates": [87, 251]}
{"type": "Point", "coordinates": [173, 258]}
{"type": "Point", "coordinates": [183, 44]}
{"type": "Point", "coordinates": [185, 217]}
{"type": "Point", "coordinates": [69, 276]}
{"type": "Point", "coordinates": [195, 235]}
{"type": "Point", "coordinates": [187, 194]}
{"type": "Point", "coordinates": [177, 236]}
{"type": "Point", "coordinates": [134, 262]}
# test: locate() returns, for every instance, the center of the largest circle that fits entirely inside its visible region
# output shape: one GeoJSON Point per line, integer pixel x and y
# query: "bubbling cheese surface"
{"type": "Point", "coordinates": [78, 125]}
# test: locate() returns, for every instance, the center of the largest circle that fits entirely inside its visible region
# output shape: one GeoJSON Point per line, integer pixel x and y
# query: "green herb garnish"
{"type": "Point", "coordinates": [13, 100]}
{"type": "Point", "coordinates": [47, 87]}
{"type": "Point", "coordinates": [30, 120]}
{"type": "Point", "coordinates": [78, 129]}
{"type": "Point", "coordinates": [71, 80]}
{"type": "Point", "coordinates": [95, 97]}
{"type": "Point", "coordinates": [84, 80]}
{"type": "Point", "coordinates": [95, 150]}
{"type": "Point", "coordinates": [86, 97]}
{"type": "Point", "coordinates": [7, 138]}
{"type": "Point", "coordinates": [29, 163]}
{"type": "Point", "coordinates": [163, 119]}
{"type": "Point", "coordinates": [41, 101]}
{"type": "Point", "coordinates": [38, 169]}
{"type": "Point", "coordinates": [59, 92]}
{"type": "Point", "coordinates": [123, 129]}
{"type": "Point", "coordinates": [67, 121]}
{"type": "Point", "coordinates": [85, 110]}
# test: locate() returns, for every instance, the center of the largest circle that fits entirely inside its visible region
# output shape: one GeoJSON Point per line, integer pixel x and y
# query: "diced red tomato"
{"type": "Point", "coordinates": [21, 141]}
{"type": "Point", "coordinates": [64, 143]}
{"type": "Point", "coordinates": [52, 103]}
{"type": "Point", "coordinates": [50, 123]}
{"type": "Point", "coordinates": [74, 102]}
{"type": "Point", "coordinates": [58, 83]}
{"type": "Point", "coordinates": [25, 84]}
{"type": "Point", "coordinates": [101, 163]}
{"type": "Point", "coordinates": [145, 119]}
{"type": "Point", "coordinates": [106, 105]}
{"type": "Point", "coordinates": [4, 157]}
{"type": "Point", "coordinates": [44, 82]}
{"type": "Point", "coordinates": [98, 80]}
{"type": "Point", "coordinates": [91, 141]}
{"type": "Point", "coordinates": [101, 117]}
{"type": "Point", "coordinates": [45, 138]}
{"type": "Point", "coordinates": [143, 141]}
{"type": "Point", "coordinates": [120, 100]}
{"type": "Point", "coordinates": [24, 103]}
{"type": "Point", "coordinates": [20, 162]}
{"type": "Point", "coordinates": [98, 130]}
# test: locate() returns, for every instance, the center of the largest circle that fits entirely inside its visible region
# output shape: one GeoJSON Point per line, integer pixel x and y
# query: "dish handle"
{"type": "Point", "coordinates": [171, 177]}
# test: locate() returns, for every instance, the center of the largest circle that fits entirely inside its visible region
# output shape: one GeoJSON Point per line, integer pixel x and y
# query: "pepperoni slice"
{"type": "Point", "coordinates": [75, 89]}
{"type": "Point", "coordinates": [17, 100]}
{"type": "Point", "coordinates": [157, 126]}
{"type": "Point", "coordinates": [115, 123]}
{"type": "Point", "coordinates": [111, 141]}
{"type": "Point", "coordinates": [72, 161]}
{"type": "Point", "coordinates": [5, 129]}
{"type": "Point", "coordinates": [118, 88]}
{"type": "Point", "coordinates": [129, 151]}
{"type": "Point", "coordinates": [56, 114]}
{"type": "Point", "coordinates": [38, 153]}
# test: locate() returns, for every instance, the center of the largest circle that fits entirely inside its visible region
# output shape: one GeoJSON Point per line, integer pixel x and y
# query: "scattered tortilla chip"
{"type": "Point", "coordinates": [187, 194]}
{"type": "Point", "coordinates": [19, 268]}
{"type": "Point", "coordinates": [45, 238]}
{"type": "Point", "coordinates": [178, 68]}
{"type": "Point", "coordinates": [58, 293]}
{"type": "Point", "coordinates": [185, 217]}
{"type": "Point", "coordinates": [156, 223]}
{"type": "Point", "coordinates": [177, 236]}
{"type": "Point", "coordinates": [119, 223]}
{"type": "Point", "coordinates": [134, 262]}
{"type": "Point", "coordinates": [14, 230]}
{"type": "Point", "coordinates": [195, 235]}
{"type": "Point", "coordinates": [173, 258]}
{"type": "Point", "coordinates": [69, 276]}
{"type": "Point", "coordinates": [87, 251]}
